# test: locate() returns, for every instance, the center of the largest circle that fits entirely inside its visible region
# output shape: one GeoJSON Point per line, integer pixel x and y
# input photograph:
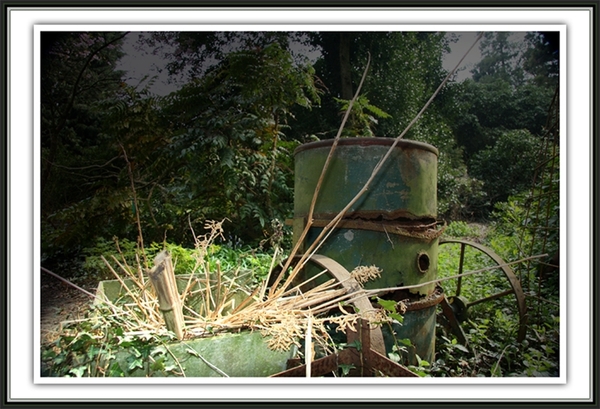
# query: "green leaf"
{"type": "Point", "coordinates": [93, 351]}
{"type": "Point", "coordinates": [377, 111]}
{"type": "Point", "coordinates": [346, 368]}
{"type": "Point", "coordinates": [115, 370]}
{"type": "Point", "coordinates": [136, 352]}
{"type": "Point", "coordinates": [394, 356]}
{"type": "Point", "coordinates": [397, 317]}
{"type": "Point", "coordinates": [406, 342]}
{"type": "Point", "coordinates": [158, 350]}
{"type": "Point", "coordinates": [356, 344]}
{"type": "Point", "coordinates": [421, 362]}
{"type": "Point", "coordinates": [158, 365]}
{"type": "Point", "coordinates": [48, 354]}
{"type": "Point", "coordinates": [461, 347]}
{"type": "Point", "coordinates": [387, 305]}
{"type": "Point", "coordinates": [136, 363]}
{"type": "Point", "coordinates": [79, 371]}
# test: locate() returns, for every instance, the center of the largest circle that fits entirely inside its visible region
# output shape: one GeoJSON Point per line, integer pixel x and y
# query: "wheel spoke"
{"type": "Point", "coordinates": [460, 268]}
{"type": "Point", "coordinates": [491, 297]}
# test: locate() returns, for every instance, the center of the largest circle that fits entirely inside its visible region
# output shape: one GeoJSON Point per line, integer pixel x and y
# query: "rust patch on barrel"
{"type": "Point", "coordinates": [425, 229]}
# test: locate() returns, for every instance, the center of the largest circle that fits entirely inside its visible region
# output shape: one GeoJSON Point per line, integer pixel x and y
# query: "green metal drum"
{"type": "Point", "coordinates": [404, 189]}
{"type": "Point", "coordinates": [403, 259]}
{"type": "Point", "coordinates": [392, 226]}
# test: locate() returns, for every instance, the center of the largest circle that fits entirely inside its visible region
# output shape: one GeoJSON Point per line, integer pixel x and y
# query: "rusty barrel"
{"type": "Point", "coordinates": [392, 226]}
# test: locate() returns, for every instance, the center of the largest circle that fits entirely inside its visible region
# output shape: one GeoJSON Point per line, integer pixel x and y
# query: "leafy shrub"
{"type": "Point", "coordinates": [507, 168]}
{"type": "Point", "coordinates": [184, 259]}
{"type": "Point", "coordinates": [460, 196]}
{"type": "Point", "coordinates": [462, 229]}
{"type": "Point", "coordinates": [86, 348]}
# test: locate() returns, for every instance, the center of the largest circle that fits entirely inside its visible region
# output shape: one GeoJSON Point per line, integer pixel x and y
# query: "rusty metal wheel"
{"type": "Point", "coordinates": [460, 304]}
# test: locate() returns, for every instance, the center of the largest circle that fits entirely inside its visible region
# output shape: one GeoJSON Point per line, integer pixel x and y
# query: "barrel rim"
{"type": "Point", "coordinates": [372, 141]}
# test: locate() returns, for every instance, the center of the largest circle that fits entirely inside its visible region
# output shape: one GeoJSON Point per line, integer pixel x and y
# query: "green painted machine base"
{"type": "Point", "coordinates": [245, 354]}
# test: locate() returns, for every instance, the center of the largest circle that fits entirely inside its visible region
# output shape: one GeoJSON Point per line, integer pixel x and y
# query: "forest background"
{"type": "Point", "coordinates": [220, 146]}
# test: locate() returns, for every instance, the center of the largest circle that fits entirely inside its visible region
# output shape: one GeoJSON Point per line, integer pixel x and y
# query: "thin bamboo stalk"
{"type": "Point", "coordinates": [316, 192]}
{"type": "Point", "coordinates": [308, 346]}
{"type": "Point", "coordinates": [162, 278]}
{"type": "Point", "coordinates": [267, 279]}
{"type": "Point", "coordinates": [64, 280]}
{"type": "Point", "coordinates": [125, 287]}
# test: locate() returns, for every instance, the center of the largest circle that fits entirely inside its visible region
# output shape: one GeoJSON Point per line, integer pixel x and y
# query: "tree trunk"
{"type": "Point", "coordinates": [345, 68]}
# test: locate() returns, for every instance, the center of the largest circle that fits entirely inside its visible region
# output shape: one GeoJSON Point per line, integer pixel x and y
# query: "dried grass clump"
{"type": "Point", "coordinates": [363, 274]}
{"type": "Point", "coordinates": [283, 329]}
{"type": "Point", "coordinates": [225, 301]}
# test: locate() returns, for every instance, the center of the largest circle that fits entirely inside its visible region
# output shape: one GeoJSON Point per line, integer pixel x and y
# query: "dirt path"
{"type": "Point", "coordinates": [61, 302]}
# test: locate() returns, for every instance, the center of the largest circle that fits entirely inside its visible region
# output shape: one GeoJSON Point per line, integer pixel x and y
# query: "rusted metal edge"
{"type": "Point", "coordinates": [431, 300]}
{"type": "Point", "coordinates": [322, 366]}
{"type": "Point", "coordinates": [402, 144]}
{"type": "Point", "coordinates": [429, 231]}
{"type": "Point", "coordinates": [372, 361]}
{"type": "Point", "coordinates": [400, 216]}
{"type": "Point", "coordinates": [377, 362]}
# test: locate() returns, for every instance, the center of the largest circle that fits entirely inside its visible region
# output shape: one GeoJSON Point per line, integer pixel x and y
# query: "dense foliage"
{"type": "Point", "coordinates": [221, 146]}
{"type": "Point", "coordinates": [78, 76]}
{"type": "Point", "coordinates": [86, 347]}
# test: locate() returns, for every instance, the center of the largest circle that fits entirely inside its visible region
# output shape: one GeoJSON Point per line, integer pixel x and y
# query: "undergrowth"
{"type": "Point", "coordinates": [224, 292]}
{"type": "Point", "coordinates": [492, 348]}
{"type": "Point", "coordinates": [85, 348]}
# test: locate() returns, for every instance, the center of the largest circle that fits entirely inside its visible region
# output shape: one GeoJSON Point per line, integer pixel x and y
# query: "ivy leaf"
{"type": "Point", "coordinates": [158, 365]}
{"type": "Point", "coordinates": [387, 305]}
{"type": "Point", "coordinates": [346, 368]}
{"type": "Point", "coordinates": [116, 371]}
{"type": "Point", "coordinates": [136, 363]}
{"type": "Point", "coordinates": [158, 350]}
{"type": "Point", "coordinates": [79, 371]}
{"type": "Point", "coordinates": [356, 344]}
